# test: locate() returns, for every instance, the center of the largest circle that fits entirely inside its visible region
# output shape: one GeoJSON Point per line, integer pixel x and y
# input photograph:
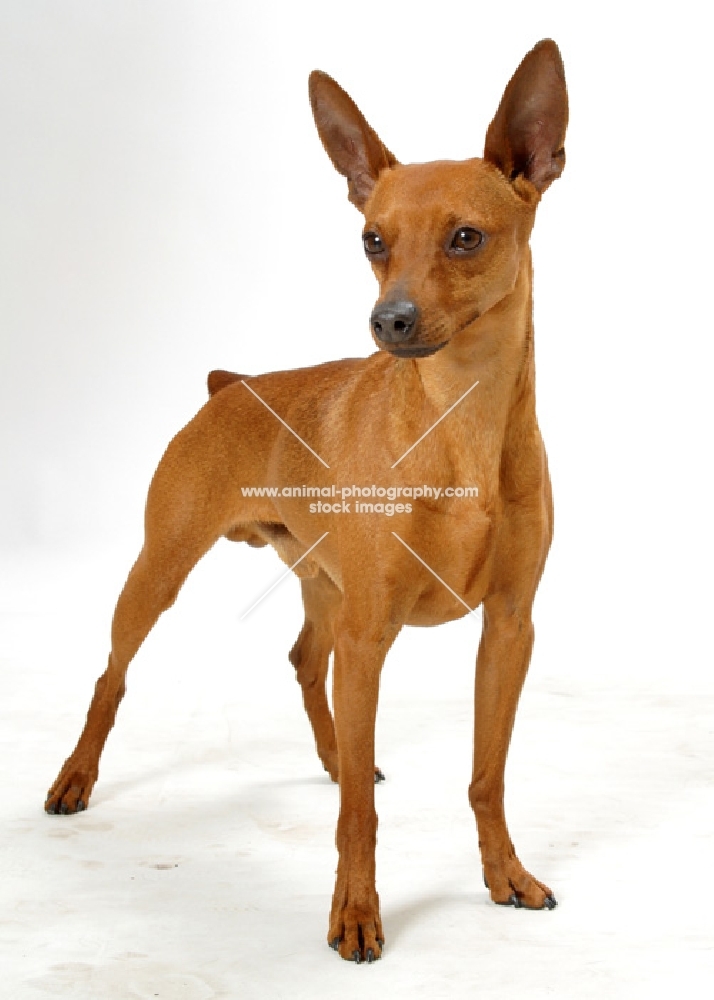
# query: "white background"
{"type": "Point", "coordinates": [166, 208]}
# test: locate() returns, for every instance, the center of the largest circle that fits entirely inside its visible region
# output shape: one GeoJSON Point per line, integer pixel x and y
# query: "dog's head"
{"type": "Point", "coordinates": [446, 239]}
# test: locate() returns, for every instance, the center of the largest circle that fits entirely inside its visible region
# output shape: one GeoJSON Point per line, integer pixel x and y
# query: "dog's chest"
{"type": "Point", "coordinates": [454, 524]}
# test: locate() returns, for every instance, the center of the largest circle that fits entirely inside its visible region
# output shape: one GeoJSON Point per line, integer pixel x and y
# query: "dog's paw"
{"type": "Point", "coordinates": [356, 932]}
{"type": "Point", "coordinates": [70, 792]}
{"type": "Point", "coordinates": [511, 885]}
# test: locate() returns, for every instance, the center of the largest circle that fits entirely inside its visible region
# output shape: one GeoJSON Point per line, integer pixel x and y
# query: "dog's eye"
{"type": "Point", "coordinates": [373, 244]}
{"type": "Point", "coordinates": [466, 239]}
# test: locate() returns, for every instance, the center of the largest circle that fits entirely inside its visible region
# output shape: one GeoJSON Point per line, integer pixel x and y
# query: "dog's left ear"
{"type": "Point", "coordinates": [527, 134]}
{"type": "Point", "coordinates": [354, 147]}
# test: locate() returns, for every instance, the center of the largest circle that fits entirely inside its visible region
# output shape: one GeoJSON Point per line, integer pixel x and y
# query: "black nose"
{"type": "Point", "coordinates": [394, 322]}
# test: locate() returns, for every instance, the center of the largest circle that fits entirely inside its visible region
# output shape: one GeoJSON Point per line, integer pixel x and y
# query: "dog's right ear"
{"type": "Point", "coordinates": [354, 147]}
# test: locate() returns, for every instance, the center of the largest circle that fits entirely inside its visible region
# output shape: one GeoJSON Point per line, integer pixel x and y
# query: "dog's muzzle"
{"type": "Point", "coordinates": [396, 327]}
{"type": "Point", "coordinates": [394, 322]}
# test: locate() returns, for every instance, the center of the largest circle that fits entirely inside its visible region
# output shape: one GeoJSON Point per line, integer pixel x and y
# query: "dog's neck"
{"type": "Point", "coordinates": [496, 350]}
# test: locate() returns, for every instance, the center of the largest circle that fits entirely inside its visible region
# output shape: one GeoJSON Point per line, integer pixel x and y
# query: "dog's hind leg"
{"type": "Point", "coordinates": [185, 515]}
{"type": "Point", "coordinates": [310, 656]}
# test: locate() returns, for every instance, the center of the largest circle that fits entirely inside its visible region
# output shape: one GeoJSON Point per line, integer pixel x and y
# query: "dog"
{"type": "Point", "coordinates": [448, 398]}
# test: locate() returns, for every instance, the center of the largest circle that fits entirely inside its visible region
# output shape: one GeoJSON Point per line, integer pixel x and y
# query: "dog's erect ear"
{"type": "Point", "coordinates": [527, 135]}
{"type": "Point", "coordinates": [355, 149]}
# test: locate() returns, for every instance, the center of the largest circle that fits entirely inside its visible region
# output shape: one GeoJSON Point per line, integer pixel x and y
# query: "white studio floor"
{"type": "Point", "coordinates": [203, 867]}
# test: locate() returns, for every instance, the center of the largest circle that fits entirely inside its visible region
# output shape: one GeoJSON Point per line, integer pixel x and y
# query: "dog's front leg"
{"type": "Point", "coordinates": [503, 658]}
{"type": "Point", "coordinates": [360, 648]}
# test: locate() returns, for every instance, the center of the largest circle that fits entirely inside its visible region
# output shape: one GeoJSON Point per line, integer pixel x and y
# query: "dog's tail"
{"type": "Point", "coordinates": [219, 379]}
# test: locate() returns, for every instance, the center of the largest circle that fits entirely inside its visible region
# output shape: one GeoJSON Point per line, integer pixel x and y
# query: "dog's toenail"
{"type": "Point", "coordinates": [515, 901]}
{"type": "Point", "coordinates": [335, 943]}
{"type": "Point", "coordinates": [356, 957]}
{"type": "Point", "coordinates": [550, 903]}
{"type": "Point", "coordinates": [378, 776]}
{"type": "Point", "coordinates": [370, 956]}
{"type": "Point", "coordinates": [485, 882]}
{"type": "Point", "coordinates": [80, 806]}
{"type": "Point", "coordinates": [64, 809]}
